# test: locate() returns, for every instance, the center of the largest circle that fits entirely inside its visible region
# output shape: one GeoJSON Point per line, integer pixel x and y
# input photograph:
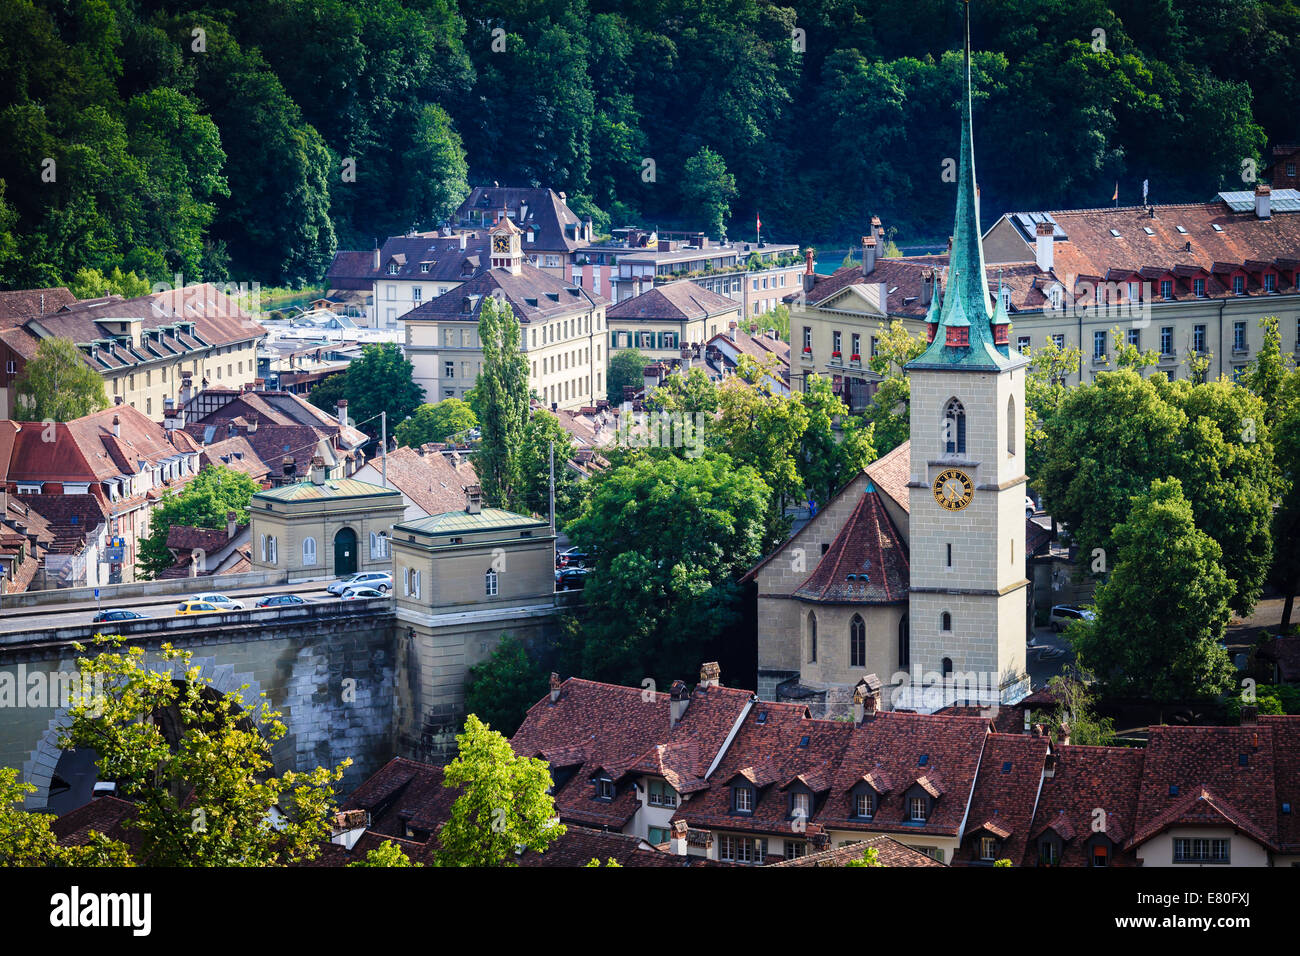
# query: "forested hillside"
{"type": "Point", "coordinates": [248, 139]}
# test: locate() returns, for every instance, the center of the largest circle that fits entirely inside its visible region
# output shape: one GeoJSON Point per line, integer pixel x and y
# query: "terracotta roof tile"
{"type": "Point", "coordinates": [865, 564]}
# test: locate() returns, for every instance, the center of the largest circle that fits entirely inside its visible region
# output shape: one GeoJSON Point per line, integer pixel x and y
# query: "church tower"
{"type": "Point", "coordinates": [967, 520]}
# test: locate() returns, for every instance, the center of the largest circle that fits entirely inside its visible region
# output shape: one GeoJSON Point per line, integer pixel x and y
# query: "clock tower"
{"type": "Point", "coordinates": [507, 252]}
{"type": "Point", "coordinates": [967, 522]}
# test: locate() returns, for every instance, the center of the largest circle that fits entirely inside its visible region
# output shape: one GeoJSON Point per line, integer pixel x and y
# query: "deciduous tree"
{"type": "Point", "coordinates": [57, 385]}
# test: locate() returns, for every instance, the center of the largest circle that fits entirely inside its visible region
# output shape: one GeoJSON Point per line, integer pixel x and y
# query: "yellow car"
{"type": "Point", "coordinates": [197, 607]}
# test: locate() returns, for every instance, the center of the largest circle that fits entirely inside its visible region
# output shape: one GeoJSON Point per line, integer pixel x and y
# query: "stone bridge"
{"type": "Point", "coordinates": [328, 667]}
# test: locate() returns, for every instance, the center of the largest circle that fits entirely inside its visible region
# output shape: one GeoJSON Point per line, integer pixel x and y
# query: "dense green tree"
{"type": "Point", "coordinates": [1076, 708]}
{"type": "Point", "coordinates": [436, 168]}
{"type": "Point", "coordinates": [1285, 573]}
{"type": "Point", "coordinates": [542, 432]}
{"type": "Point", "coordinates": [92, 284]}
{"type": "Point", "coordinates": [57, 384]}
{"type": "Point", "coordinates": [500, 689]}
{"type": "Point", "coordinates": [381, 380]}
{"type": "Point", "coordinates": [691, 394]}
{"type": "Point", "coordinates": [626, 367]}
{"type": "Point", "coordinates": [1162, 612]}
{"type": "Point", "coordinates": [709, 188]}
{"type": "Point", "coordinates": [201, 780]}
{"type": "Point", "coordinates": [504, 803]}
{"type": "Point", "coordinates": [435, 423]}
{"type": "Point", "coordinates": [503, 393]}
{"type": "Point", "coordinates": [202, 503]}
{"type": "Point", "coordinates": [669, 536]}
{"type": "Point", "coordinates": [825, 463]}
{"type": "Point", "coordinates": [1049, 369]}
{"type": "Point", "coordinates": [1109, 440]}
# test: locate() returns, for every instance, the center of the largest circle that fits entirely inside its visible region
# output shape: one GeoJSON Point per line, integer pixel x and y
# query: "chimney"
{"type": "Point", "coordinates": [651, 377]}
{"type": "Point", "coordinates": [818, 837]}
{"type": "Point", "coordinates": [250, 424]}
{"type": "Point", "coordinates": [555, 687]}
{"type": "Point", "coordinates": [232, 523]}
{"type": "Point", "coordinates": [866, 698]}
{"type": "Point", "coordinates": [731, 329]}
{"type": "Point", "coordinates": [1263, 201]}
{"type": "Point", "coordinates": [117, 399]}
{"type": "Point", "coordinates": [1038, 730]}
{"type": "Point", "coordinates": [317, 470]}
{"type": "Point", "coordinates": [187, 389]}
{"type": "Point", "coordinates": [588, 228]}
{"type": "Point", "coordinates": [342, 409]}
{"type": "Point", "coordinates": [678, 699]}
{"type": "Point", "coordinates": [463, 241]}
{"type": "Point", "coordinates": [686, 358]}
{"type": "Point", "coordinates": [1043, 246]}
{"type": "Point", "coordinates": [677, 843]}
{"type": "Point", "coordinates": [375, 261]}
{"type": "Point", "coordinates": [1249, 715]}
{"type": "Point", "coordinates": [117, 427]}
{"type": "Point", "coordinates": [288, 467]}
{"type": "Point", "coordinates": [868, 255]}
{"type": "Point", "coordinates": [1049, 766]}
{"type": "Point", "coordinates": [1063, 735]}
{"type": "Point", "coordinates": [710, 674]}
{"type": "Point", "coordinates": [473, 499]}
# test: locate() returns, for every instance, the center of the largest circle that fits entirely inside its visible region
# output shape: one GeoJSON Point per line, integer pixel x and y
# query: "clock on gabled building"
{"type": "Point", "coordinates": [506, 248]}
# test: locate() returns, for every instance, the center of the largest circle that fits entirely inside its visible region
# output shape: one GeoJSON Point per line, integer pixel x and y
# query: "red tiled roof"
{"type": "Point", "coordinates": [678, 301]}
{"type": "Point", "coordinates": [1235, 763]}
{"type": "Point", "coordinates": [891, 473]}
{"type": "Point", "coordinates": [888, 851]}
{"type": "Point", "coordinates": [865, 564]}
{"type": "Point", "coordinates": [86, 450]}
{"type": "Point", "coordinates": [1006, 792]}
{"type": "Point", "coordinates": [430, 481]}
{"type": "Point", "coordinates": [1088, 780]}
{"type": "Point", "coordinates": [19, 306]}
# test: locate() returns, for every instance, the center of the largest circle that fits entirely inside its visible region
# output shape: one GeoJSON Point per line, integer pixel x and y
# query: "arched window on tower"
{"type": "Point", "coordinates": [947, 666]}
{"type": "Point", "coordinates": [954, 428]}
{"type": "Point", "coordinates": [857, 642]}
{"type": "Point", "coordinates": [812, 638]}
{"type": "Point", "coordinates": [945, 621]}
{"type": "Point", "coordinates": [1011, 425]}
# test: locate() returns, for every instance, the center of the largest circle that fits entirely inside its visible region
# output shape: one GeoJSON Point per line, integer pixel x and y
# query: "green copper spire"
{"type": "Point", "coordinates": [966, 296]}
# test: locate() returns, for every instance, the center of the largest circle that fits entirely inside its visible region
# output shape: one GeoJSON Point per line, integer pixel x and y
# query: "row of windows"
{"type": "Point", "coordinates": [858, 641]}
{"type": "Point", "coordinates": [560, 331]}
{"type": "Point", "coordinates": [644, 340]}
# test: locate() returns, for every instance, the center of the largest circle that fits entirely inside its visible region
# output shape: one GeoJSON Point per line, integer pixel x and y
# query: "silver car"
{"type": "Point", "coordinates": [220, 600]}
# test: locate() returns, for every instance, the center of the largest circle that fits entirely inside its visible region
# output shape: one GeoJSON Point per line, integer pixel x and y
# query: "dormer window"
{"type": "Point", "coordinates": [918, 809]}
{"type": "Point", "coordinates": [604, 788]}
{"type": "Point", "coordinates": [1166, 289]}
{"type": "Point", "coordinates": [990, 847]}
{"type": "Point", "coordinates": [1049, 850]}
{"type": "Point", "coordinates": [1099, 852]}
{"type": "Point", "coordinates": [1238, 285]}
{"type": "Point", "coordinates": [1198, 288]}
{"type": "Point", "coordinates": [1270, 283]}
{"type": "Point", "coordinates": [742, 799]}
{"type": "Point", "coordinates": [800, 805]}
{"type": "Point", "coordinates": [392, 268]}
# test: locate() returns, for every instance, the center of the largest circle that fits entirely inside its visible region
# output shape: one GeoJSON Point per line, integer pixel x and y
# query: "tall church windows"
{"type": "Point", "coordinates": [954, 428]}
{"type": "Point", "coordinates": [904, 643]}
{"type": "Point", "coordinates": [857, 642]}
{"type": "Point", "coordinates": [945, 622]}
{"type": "Point", "coordinates": [812, 638]}
{"type": "Point", "coordinates": [947, 667]}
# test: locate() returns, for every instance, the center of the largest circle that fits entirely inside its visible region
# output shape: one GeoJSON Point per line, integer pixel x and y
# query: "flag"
{"type": "Point", "coordinates": [758, 221]}
{"type": "Point", "coordinates": [1115, 198]}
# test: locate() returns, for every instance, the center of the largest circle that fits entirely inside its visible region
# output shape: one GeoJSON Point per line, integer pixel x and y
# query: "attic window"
{"type": "Point", "coordinates": [1148, 230]}
{"type": "Point", "coordinates": [762, 716]}
{"type": "Point", "coordinates": [925, 759]}
{"type": "Point", "coordinates": [1115, 233]}
{"type": "Point", "coordinates": [1286, 808]}
{"type": "Point", "coordinates": [1243, 760]}
{"type": "Point", "coordinates": [803, 741]}
{"type": "Point", "coordinates": [1006, 766]}
{"type": "Point", "coordinates": [604, 788]}
{"type": "Point", "coordinates": [1181, 230]}
{"type": "Point", "coordinates": [1173, 790]}
{"type": "Point", "coordinates": [1216, 227]}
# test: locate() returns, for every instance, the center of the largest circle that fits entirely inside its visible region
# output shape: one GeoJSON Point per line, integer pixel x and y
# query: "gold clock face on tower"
{"type": "Point", "coordinates": [953, 489]}
{"type": "Point", "coordinates": [500, 243]}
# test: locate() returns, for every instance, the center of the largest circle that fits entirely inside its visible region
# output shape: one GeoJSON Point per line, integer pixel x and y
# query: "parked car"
{"type": "Point", "coordinates": [1031, 509]}
{"type": "Point", "coordinates": [1063, 614]}
{"type": "Point", "coordinates": [380, 580]}
{"type": "Point", "coordinates": [117, 614]}
{"type": "Point", "coordinates": [220, 600]}
{"type": "Point", "coordinates": [280, 600]}
{"type": "Point", "coordinates": [572, 558]}
{"type": "Point", "coordinates": [361, 594]}
{"type": "Point", "coordinates": [198, 607]}
{"type": "Point", "coordinates": [570, 579]}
